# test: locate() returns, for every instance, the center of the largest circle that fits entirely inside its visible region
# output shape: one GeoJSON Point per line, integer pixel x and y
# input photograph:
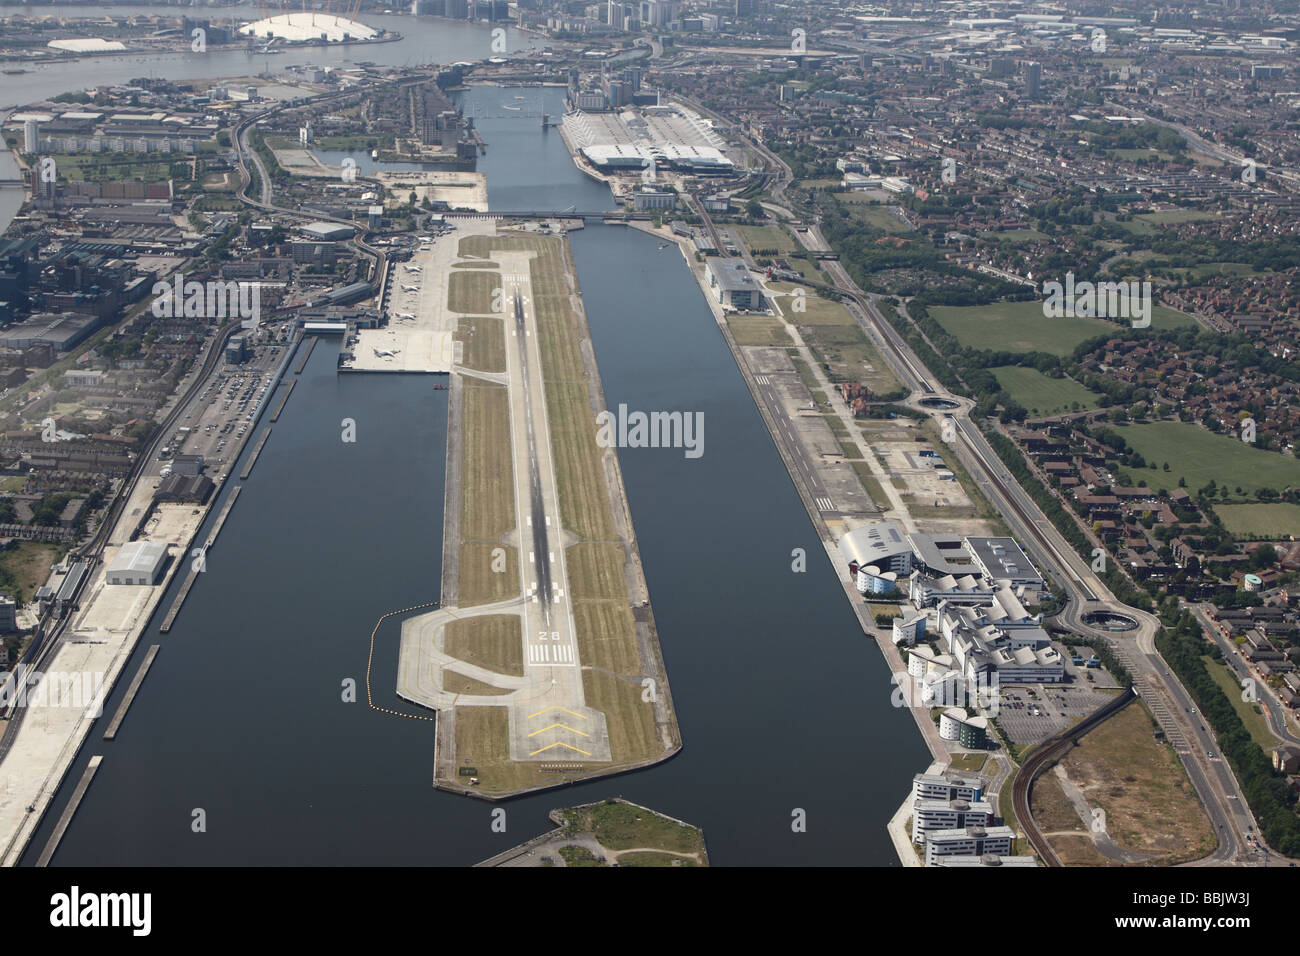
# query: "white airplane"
{"type": "Point", "coordinates": [386, 353]}
{"type": "Point", "coordinates": [412, 268]}
{"type": "Point", "coordinates": [406, 315]}
{"type": "Point", "coordinates": [411, 288]}
{"type": "Point", "coordinates": [425, 238]}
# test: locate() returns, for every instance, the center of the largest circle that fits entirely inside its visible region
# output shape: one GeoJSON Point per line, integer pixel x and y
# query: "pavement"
{"type": "Point", "coordinates": [548, 715]}
{"type": "Point", "coordinates": [420, 333]}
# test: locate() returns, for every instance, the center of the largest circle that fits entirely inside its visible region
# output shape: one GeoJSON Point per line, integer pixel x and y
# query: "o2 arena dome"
{"type": "Point", "coordinates": [309, 27]}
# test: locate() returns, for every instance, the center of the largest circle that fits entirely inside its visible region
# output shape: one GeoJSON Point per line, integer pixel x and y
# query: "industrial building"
{"type": "Point", "coordinates": [327, 231]}
{"type": "Point", "coordinates": [690, 159]}
{"type": "Point", "coordinates": [186, 489]}
{"type": "Point", "coordinates": [61, 332]}
{"type": "Point", "coordinates": [732, 284]}
{"type": "Point", "coordinates": [138, 563]}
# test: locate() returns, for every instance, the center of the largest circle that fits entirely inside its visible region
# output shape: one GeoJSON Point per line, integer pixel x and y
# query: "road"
{"type": "Point", "coordinates": [45, 646]}
{"type": "Point", "coordinates": [1274, 712]}
{"type": "Point", "coordinates": [1163, 693]}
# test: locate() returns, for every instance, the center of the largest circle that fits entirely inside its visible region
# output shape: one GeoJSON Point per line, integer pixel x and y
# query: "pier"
{"type": "Point", "coordinates": [184, 592]}
{"type": "Point", "coordinates": [136, 681]}
{"type": "Point", "coordinates": [302, 363]}
{"type": "Point", "coordinates": [257, 449]}
{"type": "Point", "coordinates": [82, 786]}
{"type": "Point", "coordinates": [275, 416]}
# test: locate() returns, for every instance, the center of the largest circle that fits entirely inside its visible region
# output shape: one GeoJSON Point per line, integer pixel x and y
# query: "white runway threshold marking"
{"type": "Point", "coordinates": [559, 655]}
{"type": "Point", "coordinates": [825, 504]}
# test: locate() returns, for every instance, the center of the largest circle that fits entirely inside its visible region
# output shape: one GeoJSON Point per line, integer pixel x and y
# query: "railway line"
{"type": "Point", "coordinates": [45, 645]}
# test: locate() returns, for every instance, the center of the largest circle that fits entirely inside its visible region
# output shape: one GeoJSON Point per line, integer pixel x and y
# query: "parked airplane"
{"type": "Point", "coordinates": [406, 315]}
{"type": "Point", "coordinates": [411, 288]}
{"type": "Point", "coordinates": [412, 268]}
{"type": "Point", "coordinates": [425, 238]}
{"type": "Point", "coordinates": [386, 353]}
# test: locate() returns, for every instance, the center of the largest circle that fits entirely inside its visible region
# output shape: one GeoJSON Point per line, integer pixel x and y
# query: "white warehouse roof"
{"type": "Point", "coordinates": [87, 45]}
{"type": "Point", "coordinates": [628, 154]}
{"type": "Point", "coordinates": [138, 557]}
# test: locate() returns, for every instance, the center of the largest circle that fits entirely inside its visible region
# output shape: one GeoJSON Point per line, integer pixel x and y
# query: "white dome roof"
{"type": "Point", "coordinates": [309, 26]}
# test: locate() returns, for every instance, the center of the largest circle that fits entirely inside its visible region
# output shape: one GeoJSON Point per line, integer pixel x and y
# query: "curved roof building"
{"type": "Point", "coordinates": [306, 27]}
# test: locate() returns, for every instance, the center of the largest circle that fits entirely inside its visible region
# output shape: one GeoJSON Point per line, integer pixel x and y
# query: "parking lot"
{"type": "Point", "coordinates": [1030, 713]}
{"type": "Point", "coordinates": [221, 417]}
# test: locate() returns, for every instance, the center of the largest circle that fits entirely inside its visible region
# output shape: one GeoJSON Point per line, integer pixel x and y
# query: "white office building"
{"type": "Point", "coordinates": [947, 786]}
{"type": "Point", "coordinates": [968, 841]}
{"type": "Point", "coordinates": [932, 815]}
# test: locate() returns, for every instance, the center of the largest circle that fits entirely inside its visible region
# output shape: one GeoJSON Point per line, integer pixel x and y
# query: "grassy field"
{"type": "Point", "coordinates": [485, 343]}
{"type": "Point", "coordinates": [758, 330]}
{"type": "Point", "coordinates": [492, 641]}
{"type": "Point", "coordinates": [967, 763]}
{"type": "Point", "coordinates": [1022, 327]}
{"type": "Point", "coordinates": [765, 237]}
{"type": "Point", "coordinates": [1249, 713]}
{"type": "Point", "coordinates": [472, 292]}
{"type": "Point", "coordinates": [650, 858]}
{"type": "Point", "coordinates": [1151, 223]}
{"type": "Point", "coordinates": [607, 643]}
{"type": "Point", "coordinates": [1055, 815]}
{"type": "Point", "coordinates": [1200, 456]}
{"type": "Point", "coordinates": [1272, 518]}
{"type": "Point", "coordinates": [1039, 393]}
{"type": "Point", "coordinates": [871, 485]}
{"type": "Point", "coordinates": [1150, 805]}
{"type": "Point", "coordinates": [483, 742]}
{"type": "Point", "coordinates": [624, 826]}
{"type": "Point", "coordinates": [836, 339]}
{"type": "Point", "coordinates": [25, 566]}
{"type": "Point", "coordinates": [458, 683]}
{"type": "Point", "coordinates": [871, 213]}
{"type": "Point", "coordinates": [489, 511]}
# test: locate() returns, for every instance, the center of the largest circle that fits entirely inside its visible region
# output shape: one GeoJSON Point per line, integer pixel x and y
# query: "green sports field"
{"type": "Point", "coordinates": [1266, 518]}
{"type": "Point", "coordinates": [1201, 456]}
{"type": "Point", "coordinates": [1022, 327]}
{"type": "Point", "coordinates": [1042, 394]}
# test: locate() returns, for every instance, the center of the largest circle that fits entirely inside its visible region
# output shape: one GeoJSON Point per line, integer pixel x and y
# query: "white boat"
{"type": "Point", "coordinates": [512, 107]}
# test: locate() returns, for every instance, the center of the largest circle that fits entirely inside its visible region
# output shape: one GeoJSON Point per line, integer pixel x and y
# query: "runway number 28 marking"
{"type": "Point", "coordinates": [555, 635]}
